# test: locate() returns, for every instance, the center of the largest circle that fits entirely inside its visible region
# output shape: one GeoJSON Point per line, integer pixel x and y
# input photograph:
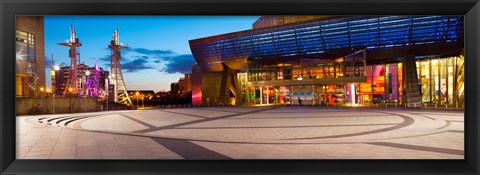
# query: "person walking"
{"type": "Point", "coordinates": [299, 101]}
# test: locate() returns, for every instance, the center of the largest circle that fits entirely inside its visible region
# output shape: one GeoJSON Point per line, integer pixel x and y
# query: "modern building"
{"type": "Point", "coordinates": [84, 74]}
{"type": "Point", "coordinates": [267, 21]}
{"type": "Point", "coordinates": [30, 56]}
{"type": "Point", "coordinates": [333, 60]}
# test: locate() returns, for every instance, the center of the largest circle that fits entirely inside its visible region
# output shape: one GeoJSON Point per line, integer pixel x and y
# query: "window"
{"type": "Point", "coordinates": [25, 46]}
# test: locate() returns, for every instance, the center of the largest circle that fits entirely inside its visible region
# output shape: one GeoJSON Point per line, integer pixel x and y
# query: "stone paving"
{"type": "Point", "coordinates": [273, 132]}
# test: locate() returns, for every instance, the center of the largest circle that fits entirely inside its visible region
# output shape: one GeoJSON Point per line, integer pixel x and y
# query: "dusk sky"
{"type": "Point", "coordinates": [159, 52]}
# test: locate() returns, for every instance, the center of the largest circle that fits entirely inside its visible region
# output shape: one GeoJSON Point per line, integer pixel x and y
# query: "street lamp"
{"type": "Point", "coordinates": [56, 68]}
{"type": "Point", "coordinates": [45, 95]}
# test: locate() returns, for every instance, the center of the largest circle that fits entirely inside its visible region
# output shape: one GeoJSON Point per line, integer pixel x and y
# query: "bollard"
{"type": "Point", "coordinates": [446, 106]}
{"type": "Point", "coordinates": [415, 105]}
{"type": "Point", "coordinates": [386, 104]}
{"type": "Point", "coordinates": [395, 104]}
{"type": "Point", "coordinates": [425, 105]}
{"type": "Point", "coordinates": [435, 105]}
{"type": "Point", "coordinates": [456, 105]}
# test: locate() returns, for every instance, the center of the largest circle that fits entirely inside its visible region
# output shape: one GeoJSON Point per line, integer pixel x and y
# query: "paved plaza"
{"type": "Point", "coordinates": [261, 132]}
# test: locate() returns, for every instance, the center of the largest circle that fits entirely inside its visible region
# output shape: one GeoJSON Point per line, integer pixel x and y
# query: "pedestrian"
{"type": "Point", "coordinates": [299, 101]}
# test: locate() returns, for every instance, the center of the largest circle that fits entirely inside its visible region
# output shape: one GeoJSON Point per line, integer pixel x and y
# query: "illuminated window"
{"type": "Point", "coordinates": [25, 46]}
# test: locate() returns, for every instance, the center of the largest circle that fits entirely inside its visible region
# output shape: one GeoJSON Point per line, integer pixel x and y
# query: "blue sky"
{"type": "Point", "coordinates": [159, 53]}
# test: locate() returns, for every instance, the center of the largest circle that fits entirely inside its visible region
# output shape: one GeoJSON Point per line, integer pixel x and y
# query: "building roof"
{"type": "Point", "coordinates": [328, 38]}
{"type": "Point", "coordinates": [267, 21]}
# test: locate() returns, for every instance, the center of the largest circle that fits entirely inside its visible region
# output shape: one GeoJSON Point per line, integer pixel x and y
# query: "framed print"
{"type": "Point", "coordinates": [294, 87]}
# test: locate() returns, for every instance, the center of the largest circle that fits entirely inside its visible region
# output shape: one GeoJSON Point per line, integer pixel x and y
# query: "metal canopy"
{"type": "Point", "coordinates": [328, 38]}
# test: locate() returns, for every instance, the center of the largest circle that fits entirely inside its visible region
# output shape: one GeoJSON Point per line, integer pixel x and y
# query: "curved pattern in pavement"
{"type": "Point", "coordinates": [223, 132]}
{"type": "Point", "coordinates": [253, 125]}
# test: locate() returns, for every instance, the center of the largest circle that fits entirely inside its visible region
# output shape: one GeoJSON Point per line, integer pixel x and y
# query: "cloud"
{"type": "Point", "coordinates": [105, 58]}
{"type": "Point", "coordinates": [180, 64]}
{"type": "Point", "coordinates": [135, 65]}
{"type": "Point", "coordinates": [150, 52]}
{"type": "Point", "coordinates": [172, 62]}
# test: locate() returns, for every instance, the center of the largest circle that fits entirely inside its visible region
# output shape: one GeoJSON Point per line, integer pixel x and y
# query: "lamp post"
{"type": "Point", "coordinates": [53, 100]}
{"type": "Point", "coordinates": [43, 94]}
{"type": "Point", "coordinates": [70, 90]}
{"type": "Point", "coordinates": [56, 68]}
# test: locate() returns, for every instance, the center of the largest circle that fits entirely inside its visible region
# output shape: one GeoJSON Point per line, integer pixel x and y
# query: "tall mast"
{"type": "Point", "coordinates": [120, 94]}
{"type": "Point", "coordinates": [73, 85]}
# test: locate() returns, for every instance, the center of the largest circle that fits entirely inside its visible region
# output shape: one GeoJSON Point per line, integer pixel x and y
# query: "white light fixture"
{"type": "Point", "coordinates": [299, 78]}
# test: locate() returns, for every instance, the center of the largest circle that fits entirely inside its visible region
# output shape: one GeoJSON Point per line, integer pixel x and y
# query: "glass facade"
{"type": "Point", "coordinates": [305, 62]}
{"type": "Point", "coordinates": [352, 65]}
{"type": "Point", "coordinates": [441, 80]}
{"type": "Point", "coordinates": [326, 37]}
{"type": "Point", "coordinates": [384, 84]}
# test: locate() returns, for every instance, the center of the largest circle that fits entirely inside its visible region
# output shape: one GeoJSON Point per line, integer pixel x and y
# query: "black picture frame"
{"type": "Point", "coordinates": [9, 9]}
